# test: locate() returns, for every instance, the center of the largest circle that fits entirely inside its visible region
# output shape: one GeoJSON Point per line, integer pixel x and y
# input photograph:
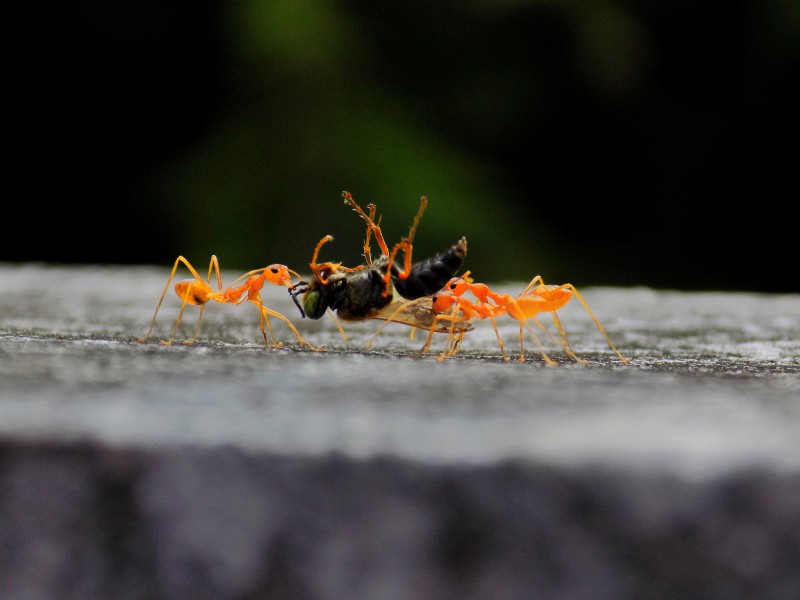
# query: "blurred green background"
{"type": "Point", "coordinates": [592, 142]}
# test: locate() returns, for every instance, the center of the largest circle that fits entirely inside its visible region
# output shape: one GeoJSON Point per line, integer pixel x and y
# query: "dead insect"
{"type": "Point", "coordinates": [367, 291]}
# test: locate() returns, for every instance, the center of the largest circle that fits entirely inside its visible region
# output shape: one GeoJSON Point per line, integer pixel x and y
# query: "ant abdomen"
{"type": "Point", "coordinates": [192, 291]}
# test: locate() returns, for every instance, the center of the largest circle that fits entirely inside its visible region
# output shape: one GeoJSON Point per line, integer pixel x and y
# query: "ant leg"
{"type": "Point", "coordinates": [571, 287]}
{"type": "Point", "coordinates": [564, 340]}
{"type": "Point", "coordinates": [268, 311]}
{"type": "Point", "coordinates": [178, 322]}
{"type": "Point", "coordinates": [499, 340]}
{"type": "Point", "coordinates": [436, 319]}
{"type": "Point", "coordinates": [192, 270]}
{"type": "Point", "coordinates": [454, 340]}
{"type": "Point", "coordinates": [213, 266]}
{"type": "Point", "coordinates": [453, 318]}
{"type": "Point", "coordinates": [196, 329]}
{"type": "Point", "coordinates": [262, 318]}
{"type": "Point", "coordinates": [536, 281]}
{"type": "Point", "coordinates": [550, 362]}
{"type": "Point", "coordinates": [515, 310]}
{"type": "Point", "coordinates": [456, 343]}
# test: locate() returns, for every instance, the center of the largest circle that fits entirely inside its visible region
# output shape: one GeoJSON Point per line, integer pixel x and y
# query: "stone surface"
{"type": "Point", "coordinates": [226, 470]}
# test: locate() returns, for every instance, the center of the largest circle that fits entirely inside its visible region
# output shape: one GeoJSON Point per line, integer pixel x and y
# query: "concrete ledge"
{"type": "Point", "coordinates": [228, 471]}
{"type": "Point", "coordinates": [84, 521]}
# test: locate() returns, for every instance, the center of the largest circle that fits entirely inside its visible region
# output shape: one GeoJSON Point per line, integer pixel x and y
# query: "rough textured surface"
{"type": "Point", "coordinates": [224, 470]}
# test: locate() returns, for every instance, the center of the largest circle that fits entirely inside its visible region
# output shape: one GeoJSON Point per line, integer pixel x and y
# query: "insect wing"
{"type": "Point", "coordinates": [419, 313]}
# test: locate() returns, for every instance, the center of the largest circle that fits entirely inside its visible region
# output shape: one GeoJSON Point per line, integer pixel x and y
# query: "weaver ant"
{"type": "Point", "coordinates": [199, 292]}
{"type": "Point", "coordinates": [367, 291]}
{"type": "Point", "coordinates": [449, 304]}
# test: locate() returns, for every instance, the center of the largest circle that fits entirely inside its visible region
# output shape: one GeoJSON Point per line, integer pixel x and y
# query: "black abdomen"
{"type": "Point", "coordinates": [430, 275]}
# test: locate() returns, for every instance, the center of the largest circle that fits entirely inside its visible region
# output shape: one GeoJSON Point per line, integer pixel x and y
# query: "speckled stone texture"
{"type": "Point", "coordinates": [224, 470]}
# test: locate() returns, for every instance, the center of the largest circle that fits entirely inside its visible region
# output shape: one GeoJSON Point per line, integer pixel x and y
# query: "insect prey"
{"type": "Point", "coordinates": [367, 291]}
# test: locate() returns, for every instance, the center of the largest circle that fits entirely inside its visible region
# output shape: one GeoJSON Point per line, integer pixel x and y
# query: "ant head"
{"type": "Point", "coordinates": [441, 301]}
{"type": "Point", "coordinates": [278, 274]}
{"type": "Point", "coordinates": [457, 286]}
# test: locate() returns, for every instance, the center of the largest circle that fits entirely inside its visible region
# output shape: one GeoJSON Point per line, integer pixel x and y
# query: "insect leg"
{"type": "Point", "coordinates": [263, 316]}
{"type": "Point", "coordinates": [213, 266]}
{"type": "Point", "coordinates": [499, 339]}
{"type": "Point", "coordinates": [571, 287]}
{"type": "Point", "coordinates": [178, 261]}
{"type": "Point", "coordinates": [564, 340]}
{"type": "Point", "coordinates": [391, 318]}
{"type": "Point", "coordinates": [406, 246]}
{"type": "Point", "coordinates": [267, 311]}
{"type": "Point", "coordinates": [534, 282]}
{"type": "Point", "coordinates": [550, 362]}
{"type": "Point", "coordinates": [338, 325]}
{"type": "Point", "coordinates": [454, 340]}
{"type": "Point", "coordinates": [372, 227]}
{"type": "Point", "coordinates": [516, 311]}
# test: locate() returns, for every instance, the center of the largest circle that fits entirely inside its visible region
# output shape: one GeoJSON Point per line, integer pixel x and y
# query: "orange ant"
{"type": "Point", "coordinates": [536, 298]}
{"type": "Point", "coordinates": [199, 292]}
{"type": "Point", "coordinates": [449, 304]}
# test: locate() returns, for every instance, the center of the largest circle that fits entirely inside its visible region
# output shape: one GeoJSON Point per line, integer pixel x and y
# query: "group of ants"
{"type": "Point", "coordinates": [434, 297]}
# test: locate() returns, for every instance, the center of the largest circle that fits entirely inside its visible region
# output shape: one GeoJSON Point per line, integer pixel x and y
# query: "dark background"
{"type": "Point", "coordinates": [598, 143]}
